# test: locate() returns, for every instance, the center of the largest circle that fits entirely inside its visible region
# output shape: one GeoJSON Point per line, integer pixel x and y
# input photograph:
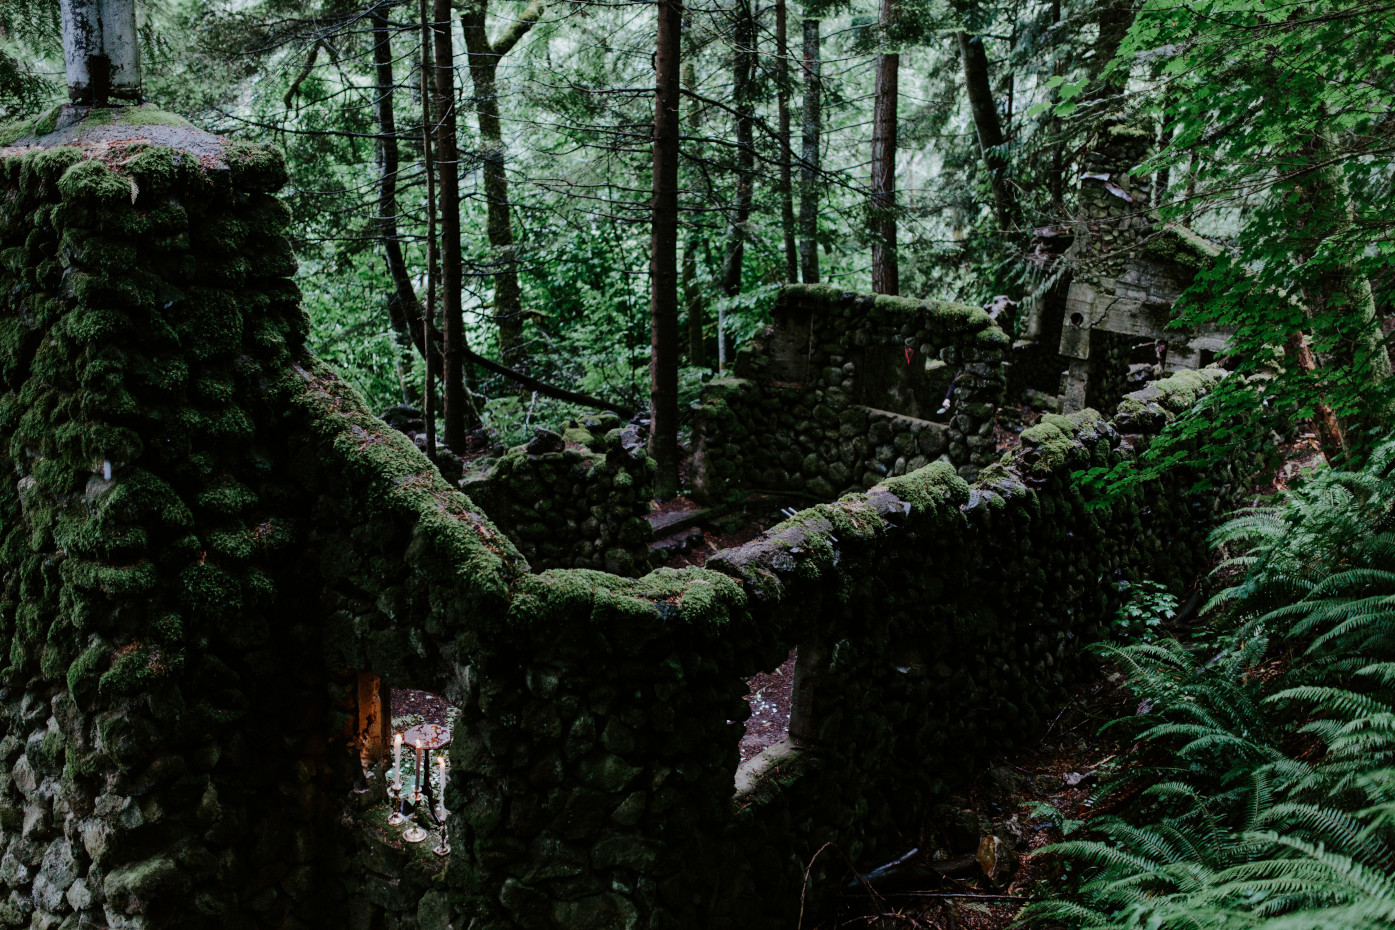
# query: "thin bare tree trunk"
{"type": "Point", "coordinates": [743, 78]}
{"type": "Point", "coordinates": [885, 273]}
{"type": "Point", "coordinates": [484, 57]}
{"type": "Point", "coordinates": [459, 414]}
{"type": "Point", "coordinates": [782, 84]}
{"type": "Point", "coordinates": [429, 411]}
{"type": "Point", "coordinates": [990, 131]}
{"type": "Point", "coordinates": [812, 123]}
{"type": "Point", "coordinates": [692, 286]}
{"type": "Point", "coordinates": [1330, 435]}
{"type": "Point", "coordinates": [401, 301]}
{"type": "Point", "coordinates": [1056, 182]}
{"type": "Point", "coordinates": [663, 251]}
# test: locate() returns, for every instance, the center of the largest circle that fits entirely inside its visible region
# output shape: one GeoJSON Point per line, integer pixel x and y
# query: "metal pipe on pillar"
{"type": "Point", "coordinates": [101, 51]}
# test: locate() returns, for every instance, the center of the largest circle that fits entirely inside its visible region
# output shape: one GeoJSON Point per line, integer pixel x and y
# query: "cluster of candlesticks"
{"type": "Point", "coordinates": [415, 832]}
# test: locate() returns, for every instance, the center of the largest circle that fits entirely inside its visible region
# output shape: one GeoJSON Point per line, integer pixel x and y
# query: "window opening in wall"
{"type": "Point", "coordinates": [770, 696]}
{"type": "Point", "coordinates": [404, 733]}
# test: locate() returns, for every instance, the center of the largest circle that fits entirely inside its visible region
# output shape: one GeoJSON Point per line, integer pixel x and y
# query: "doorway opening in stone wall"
{"type": "Point", "coordinates": [770, 696]}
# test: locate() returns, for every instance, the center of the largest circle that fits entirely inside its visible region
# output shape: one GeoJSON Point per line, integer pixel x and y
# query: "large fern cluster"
{"type": "Point", "coordinates": [1260, 791]}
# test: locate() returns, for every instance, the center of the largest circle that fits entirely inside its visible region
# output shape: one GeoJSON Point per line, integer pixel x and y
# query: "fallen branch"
{"type": "Point", "coordinates": [408, 316]}
{"type": "Point", "coordinates": [543, 388]}
{"type": "Point", "coordinates": [960, 894]}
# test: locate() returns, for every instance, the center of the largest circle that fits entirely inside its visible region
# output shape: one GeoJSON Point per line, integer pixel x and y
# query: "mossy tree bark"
{"type": "Point", "coordinates": [484, 57]}
{"type": "Point", "coordinates": [663, 248]}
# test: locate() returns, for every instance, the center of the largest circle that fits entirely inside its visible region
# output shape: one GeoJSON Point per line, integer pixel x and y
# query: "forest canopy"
{"type": "Point", "coordinates": [906, 146]}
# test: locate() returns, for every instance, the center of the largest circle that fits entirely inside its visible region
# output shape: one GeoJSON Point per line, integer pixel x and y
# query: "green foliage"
{"type": "Point", "coordinates": [1261, 790]}
{"type": "Point", "coordinates": [1140, 617]}
{"type": "Point", "coordinates": [1281, 151]}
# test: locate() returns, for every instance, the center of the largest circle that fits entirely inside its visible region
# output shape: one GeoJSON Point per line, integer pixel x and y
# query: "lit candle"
{"type": "Point", "coordinates": [420, 753]}
{"type": "Point", "coordinates": [441, 791]}
{"type": "Point", "coordinates": [397, 761]}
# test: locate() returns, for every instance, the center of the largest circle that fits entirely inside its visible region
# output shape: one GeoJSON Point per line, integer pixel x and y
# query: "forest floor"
{"type": "Point", "coordinates": [993, 827]}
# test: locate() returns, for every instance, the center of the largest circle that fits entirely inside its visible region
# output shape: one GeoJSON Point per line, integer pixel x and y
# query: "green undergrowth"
{"type": "Point", "coordinates": [1260, 789]}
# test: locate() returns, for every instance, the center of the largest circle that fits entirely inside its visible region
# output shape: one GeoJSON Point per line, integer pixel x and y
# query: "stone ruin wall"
{"type": "Point", "coordinates": [1127, 270]}
{"type": "Point", "coordinates": [575, 499]}
{"type": "Point", "coordinates": [937, 621]}
{"type": "Point", "coordinates": [214, 560]}
{"type": "Point", "coordinates": [164, 744]}
{"type": "Point", "coordinates": [845, 390]}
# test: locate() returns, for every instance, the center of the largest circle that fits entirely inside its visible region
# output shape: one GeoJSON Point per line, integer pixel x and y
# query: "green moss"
{"type": "Point", "coordinates": [1181, 245]}
{"type": "Point", "coordinates": [934, 487]}
{"type": "Point", "coordinates": [93, 182]}
{"type": "Point", "coordinates": [209, 589]}
{"type": "Point", "coordinates": [49, 165]}
{"type": "Point", "coordinates": [150, 115]}
{"type": "Point", "coordinates": [37, 127]}
{"type": "Point", "coordinates": [112, 580]}
{"type": "Point", "coordinates": [256, 167]}
{"type": "Point", "coordinates": [639, 608]}
{"type": "Point", "coordinates": [1125, 131]}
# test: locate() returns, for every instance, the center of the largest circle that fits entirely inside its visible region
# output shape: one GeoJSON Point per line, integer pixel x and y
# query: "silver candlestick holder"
{"type": "Point", "coordinates": [442, 848]}
{"type": "Point", "coordinates": [394, 789]}
{"type": "Point", "coordinates": [416, 832]}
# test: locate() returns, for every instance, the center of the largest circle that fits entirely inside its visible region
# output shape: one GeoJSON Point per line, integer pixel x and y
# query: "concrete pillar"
{"type": "Point", "coordinates": [101, 51]}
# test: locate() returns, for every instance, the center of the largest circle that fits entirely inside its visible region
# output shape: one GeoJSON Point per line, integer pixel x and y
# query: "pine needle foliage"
{"type": "Point", "coordinates": [1260, 791]}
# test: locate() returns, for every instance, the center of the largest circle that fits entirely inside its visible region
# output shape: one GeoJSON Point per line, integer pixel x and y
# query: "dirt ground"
{"type": "Point", "coordinates": [769, 696]}
{"type": "Point", "coordinates": [942, 885]}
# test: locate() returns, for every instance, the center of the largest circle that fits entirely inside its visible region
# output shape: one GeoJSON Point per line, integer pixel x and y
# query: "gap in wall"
{"type": "Point", "coordinates": [770, 695]}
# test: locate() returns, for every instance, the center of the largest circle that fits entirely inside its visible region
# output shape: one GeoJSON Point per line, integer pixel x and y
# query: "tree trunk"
{"type": "Point", "coordinates": [812, 123]}
{"type": "Point", "coordinates": [990, 131]}
{"type": "Point", "coordinates": [743, 93]}
{"type": "Point", "coordinates": [484, 57]}
{"type": "Point", "coordinates": [663, 252]}
{"type": "Point", "coordinates": [101, 51]}
{"type": "Point", "coordinates": [1331, 437]}
{"type": "Point", "coordinates": [692, 285]}
{"type": "Point", "coordinates": [1114, 18]}
{"type": "Point", "coordinates": [428, 162]}
{"type": "Point", "coordinates": [1056, 180]}
{"type": "Point", "coordinates": [1338, 293]}
{"type": "Point", "coordinates": [458, 414]}
{"type": "Point", "coordinates": [885, 273]}
{"type": "Point", "coordinates": [782, 83]}
{"type": "Point", "coordinates": [403, 295]}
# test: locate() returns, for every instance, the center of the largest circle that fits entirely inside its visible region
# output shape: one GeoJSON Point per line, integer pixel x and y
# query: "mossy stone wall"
{"type": "Point", "coordinates": [809, 408]}
{"type": "Point", "coordinates": [183, 489]}
{"type": "Point", "coordinates": [150, 594]}
{"type": "Point", "coordinates": [577, 499]}
{"type": "Point", "coordinates": [938, 621]}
